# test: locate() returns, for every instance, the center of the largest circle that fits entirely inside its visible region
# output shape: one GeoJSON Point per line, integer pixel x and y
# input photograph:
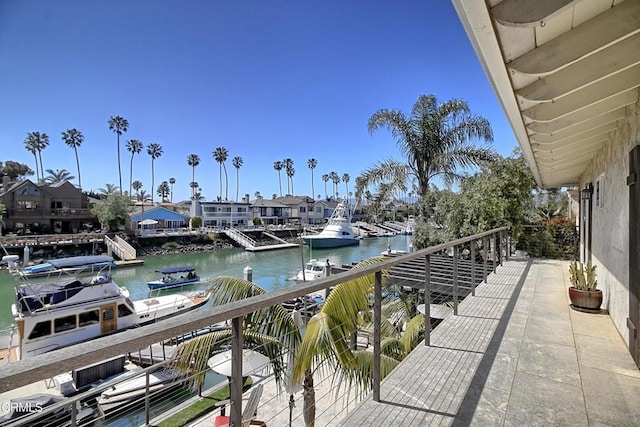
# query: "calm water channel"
{"type": "Point", "coordinates": [271, 269]}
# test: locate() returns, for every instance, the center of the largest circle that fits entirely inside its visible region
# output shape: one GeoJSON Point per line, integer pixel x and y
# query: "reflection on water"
{"type": "Point", "coordinates": [271, 269]}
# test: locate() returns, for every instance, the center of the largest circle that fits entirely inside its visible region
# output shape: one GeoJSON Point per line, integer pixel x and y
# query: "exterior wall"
{"type": "Point", "coordinates": [610, 223]}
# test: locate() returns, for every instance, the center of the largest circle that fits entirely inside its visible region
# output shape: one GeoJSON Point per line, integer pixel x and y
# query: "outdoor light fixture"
{"type": "Point", "coordinates": [585, 194]}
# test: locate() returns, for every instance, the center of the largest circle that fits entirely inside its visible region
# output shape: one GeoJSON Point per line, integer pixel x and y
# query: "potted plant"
{"type": "Point", "coordinates": [583, 293]}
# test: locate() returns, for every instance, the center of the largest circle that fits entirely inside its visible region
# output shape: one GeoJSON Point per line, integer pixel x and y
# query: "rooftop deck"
{"type": "Point", "coordinates": [516, 354]}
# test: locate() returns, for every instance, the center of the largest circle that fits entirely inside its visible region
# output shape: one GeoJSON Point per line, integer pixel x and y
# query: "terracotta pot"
{"type": "Point", "coordinates": [591, 300]}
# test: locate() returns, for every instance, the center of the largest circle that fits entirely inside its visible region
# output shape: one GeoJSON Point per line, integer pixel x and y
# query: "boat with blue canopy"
{"type": "Point", "coordinates": [175, 276]}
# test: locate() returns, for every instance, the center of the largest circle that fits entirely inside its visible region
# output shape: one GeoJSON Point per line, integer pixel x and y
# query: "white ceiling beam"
{"type": "Point", "coordinates": [541, 140]}
{"type": "Point", "coordinates": [527, 13]}
{"type": "Point", "coordinates": [586, 126]}
{"type": "Point", "coordinates": [598, 32]}
{"type": "Point", "coordinates": [572, 145]}
{"type": "Point", "coordinates": [608, 61]}
{"type": "Point", "coordinates": [610, 104]}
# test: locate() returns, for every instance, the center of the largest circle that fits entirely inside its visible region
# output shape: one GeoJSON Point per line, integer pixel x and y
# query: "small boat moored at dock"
{"type": "Point", "coordinates": [174, 277]}
{"type": "Point", "coordinates": [68, 265]}
{"type": "Point", "coordinates": [314, 269]}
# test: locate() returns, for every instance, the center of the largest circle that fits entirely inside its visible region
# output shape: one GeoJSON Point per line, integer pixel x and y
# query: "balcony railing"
{"type": "Point", "coordinates": [45, 213]}
{"type": "Point", "coordinates": [418, 270]}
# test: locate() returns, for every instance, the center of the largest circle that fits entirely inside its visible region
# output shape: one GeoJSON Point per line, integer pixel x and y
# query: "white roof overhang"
{"type": "Point", "coordinates": [564, 72]}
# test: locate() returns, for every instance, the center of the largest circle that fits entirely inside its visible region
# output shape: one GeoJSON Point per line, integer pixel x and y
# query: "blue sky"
{"type": "Point", "coordinates": [267, 80]}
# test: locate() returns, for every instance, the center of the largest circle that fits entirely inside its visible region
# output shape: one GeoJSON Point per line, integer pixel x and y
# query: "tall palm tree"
{"type": "Point", "coordinates": [143, 196]}
{"type": "Point", "coordinates": [237, 163]}
{"type": "Point", "coordinates": [118, 125]}
{"type": "Point", "coordinates": [154, 150]}
{"type": "Point", "coordinates": [220, 155]}
{"type": "Point", "coordinates": [74, 139]}
{"type": "Point", "coordinates": [335, 178]}
{"type": "Point", "coordinates": [134, 147]}
{"type": "Point", "coordinates": [193, 160]}
{"type": "Point", "coordinates": [325, 178]}
{"type": "Point", "coordinates": [58, 176]}
{"type": "Point", "coordinates": [37, 142]}
{"type": "Point", "coordinates": [437, 140]}
{"type": "Point", "coordinates": [30, 144]}
{"type": "Point", "coordinates": [279, 166]}
{"type": "Point", "coordinates": [346, 178]}
{"type": "Point", "coordinates": [312, 163]}
{"type": "Point", "coordinates": [172, 181]}
{"type": "Point", "coordinates": [288, 165]}
{"type": "Point", "coordinates": [291, 171]}
{"type": "Point", "coordinates": [163, 190]}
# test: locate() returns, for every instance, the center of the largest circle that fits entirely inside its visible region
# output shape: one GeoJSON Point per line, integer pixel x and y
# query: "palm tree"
{"type": "Point", "coordinates": [288, 165]}
{"type": "Point", "coordinates": [107, 190]}
{"type": "Point", "coordinates": [134, 147]}
{"type": "Point", "coordinates": [172, 181]}
{"type": "Point", "coordinates": [290, 172]}
{"type": "Point", "coordinates": [30, 144]}
{"type": "Point", "coordinates": [193, 160]}
{"type": "Point", "coordinates": [163, 190]}
{"type": "Point", "coordinates": [312, 163]}
{"type": "Point", "coordinates": [142, 196]}
{"type": "Point", "coordinates": [436, 140]}
{"type": "Point", "coordinates": [325, 178]}
{"type": "Point", "coordinates": [346, 178]}
{"type": "Point", "coordinates": [327, 342]}
{"type": "Point", "coordinates": [237, 163]}
{"type": "Point", "coordinates": [155, 151]}
{"type": "Point", "coordinates": [270, 331]}
{"type": "Point", "coordinates": [74, 139]}
{"type": "Point", "coordinates": [278, 166]}
{"type": "Point", "coordinates": [220, 155]}
{"type": "Point", "coordinates": [336, 180]}
{"type": "Point", "coordinates": [118, 125]}
{"type": "Point", "coordinates": [58, 176]}
{"type": "Point", "coordinates": [136, 185]}
{"type": "Point", "coordinates": [35, 143]}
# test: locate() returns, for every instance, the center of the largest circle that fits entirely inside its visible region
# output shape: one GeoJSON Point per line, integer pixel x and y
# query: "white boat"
{"type": "Point", "coordinates": [129, 392]}
{"type": "Point", "coordinates": [68, 265]}
{"type": "Point", "coordinates": [173, 277]}
{"type": "Point", "coordinates": [314, 269]}
{"type": "Point", "coordinates": [55, 314]}
{"type": "Point", "coordinates": [409, 225]}
{"type": "Point", "coordinates": [337, 233]}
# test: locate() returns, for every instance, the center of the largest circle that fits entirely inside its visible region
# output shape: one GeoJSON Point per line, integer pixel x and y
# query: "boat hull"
{"type": "Point", "coordinates": [330, 242]}
{"type": "Point", "coordinates": [159, 284]}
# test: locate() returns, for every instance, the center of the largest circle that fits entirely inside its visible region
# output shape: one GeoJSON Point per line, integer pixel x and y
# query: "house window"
{"type": "Point", "coordinates": [303, 209]}
{"type": "Point", "coordinates": [319, 209]}
{"type": "Point", "coordinates": [598, 192]}
{"type": "Point", "coordinates": [28, 191]}
{"type": "Point", "coordinates": [27, 204]}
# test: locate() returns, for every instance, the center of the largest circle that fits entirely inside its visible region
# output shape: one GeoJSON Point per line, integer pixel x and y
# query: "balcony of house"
{"type": "Point", "coordinates": [71, 213]}
{"type": "Point", "coordinates": [505, 349]}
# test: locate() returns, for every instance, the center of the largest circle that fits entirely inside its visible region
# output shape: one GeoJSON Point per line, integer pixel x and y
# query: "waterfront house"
{"type": "Point", "coordinates": [566, 74]}
{"type": "Point", "coordinates": [224, 213]}
{"type": "Point", "coordinates": [146, 219]}
{"type": "Point", "coordinates": [45, 209]}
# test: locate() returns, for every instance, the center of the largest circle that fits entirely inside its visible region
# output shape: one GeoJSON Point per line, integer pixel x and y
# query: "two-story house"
{"type": "Point", "coordinates": [225, 213]}
{"type": "Point", "coordinates": [56, 208]}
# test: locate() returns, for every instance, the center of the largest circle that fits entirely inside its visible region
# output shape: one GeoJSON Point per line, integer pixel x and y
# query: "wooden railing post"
{"type": "Point", "coordinates": [427, 299]}
{"type": "Point", "coordinates": [235, 387]}
{"type": "Point", "coordinates": [493, 252]}
{"type": "Point", "coordinates": [377, 329]}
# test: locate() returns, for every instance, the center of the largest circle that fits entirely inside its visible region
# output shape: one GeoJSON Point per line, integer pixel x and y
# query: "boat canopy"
{"type": "Point", "coordinates": [172, 270]}
{"type": "Point", "coordinates": [77, 261]}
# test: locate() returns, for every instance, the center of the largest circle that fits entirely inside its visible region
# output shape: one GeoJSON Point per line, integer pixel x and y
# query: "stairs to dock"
{"type": "Point", "coordinates": [120, 248]}
{"type": "Point", "coordinates": [240, 238]}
